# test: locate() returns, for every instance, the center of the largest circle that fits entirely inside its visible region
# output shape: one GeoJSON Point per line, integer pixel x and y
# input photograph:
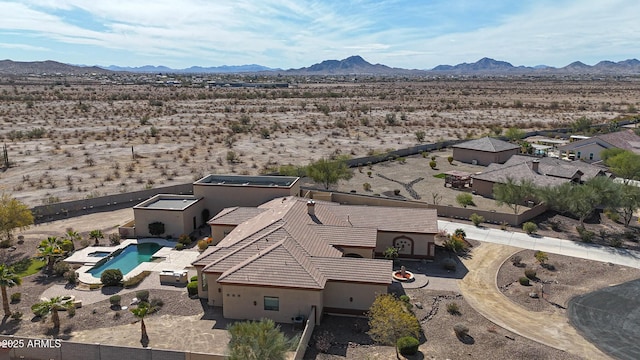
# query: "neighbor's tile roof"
{"type": "Point", "coordinates": [624, 139]}
{"type": "Point", "coordinates": [520, 171]}
{"type": "Point", "coordinates": [235, 215]}
{"type": "Point", "coordinates": [487, 144]}
{"type": "Point", "coordinates": [559, 168]}
{"type": "Point", "coordinates": [355, 270]}
{"type": "Point", "coordinates": [277, 247]}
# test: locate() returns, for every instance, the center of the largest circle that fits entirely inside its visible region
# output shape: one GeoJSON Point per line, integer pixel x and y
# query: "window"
{"type": "Point", "coordinates": [271, 303]}
{"type": "Point", "coordinates": [204, 282]}
{"type": "Point", "coordinates": [590, 156]}
{"type": "Point", "coordinates": [578, 155]}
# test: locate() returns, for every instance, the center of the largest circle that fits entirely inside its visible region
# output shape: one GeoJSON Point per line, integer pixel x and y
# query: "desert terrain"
{"type": "Point", "coordinates": [69, 141]}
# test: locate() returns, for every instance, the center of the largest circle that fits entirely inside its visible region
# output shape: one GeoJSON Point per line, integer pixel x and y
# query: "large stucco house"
{"type": "Point", "coordinates": [283, 258]}
{"type": "Point", "coordinates": [484, 151]}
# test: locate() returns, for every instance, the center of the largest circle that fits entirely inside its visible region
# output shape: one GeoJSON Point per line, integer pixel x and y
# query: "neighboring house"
{"type": "Point", "coordinates": [291, 254]}
{"type": "Point", "coordinates": [484, 151]}
{"type": "Point", "coordinates": [577, 171]}
{"type": "Point", "coordinates": [589, 149]}
{"type": "Point", "coordinates": [182, 214]}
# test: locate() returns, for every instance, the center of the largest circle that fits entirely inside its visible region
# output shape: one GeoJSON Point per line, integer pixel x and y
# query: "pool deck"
{"type": "Point", "coordinates": [168, 259]}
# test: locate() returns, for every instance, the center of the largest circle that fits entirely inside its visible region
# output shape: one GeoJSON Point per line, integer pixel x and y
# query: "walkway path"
{"type": "Point", "coordinates": [481, 292]}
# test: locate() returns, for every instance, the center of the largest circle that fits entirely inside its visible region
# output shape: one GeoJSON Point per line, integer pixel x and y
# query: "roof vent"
{"type": "Point", "coordinates": [534, 165]}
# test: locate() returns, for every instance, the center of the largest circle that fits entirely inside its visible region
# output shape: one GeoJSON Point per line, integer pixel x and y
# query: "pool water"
{"type": "Point", "coordinates": [99, 254]}
{"type": "Point", "coordinates": [126, 259]}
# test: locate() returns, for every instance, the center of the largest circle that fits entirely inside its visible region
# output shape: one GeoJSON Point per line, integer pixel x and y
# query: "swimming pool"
{"type": "Point", "coordinates": [126, 259]}
{"type": "Point", "coordinates": [99, 254]}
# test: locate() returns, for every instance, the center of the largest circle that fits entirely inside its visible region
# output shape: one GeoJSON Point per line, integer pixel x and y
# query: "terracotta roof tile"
{"type": "Point", "coordinates": [355, 270]}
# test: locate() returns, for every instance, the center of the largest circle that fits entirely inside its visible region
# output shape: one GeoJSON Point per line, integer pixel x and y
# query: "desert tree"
{"type": "Point", "coordinates": [390, 320]}
{"type": "Point", "coordinates": [514, 134]}
{"type": "Point", "coordinates": [624, 164]}
{"type": "Point", "coordinates": [7, 280]}
{"type": "Point", "coordinates": [258, 340]}
{"type": "Point", "coordinates": [329, 172]}
{"type": "Point", "coordinates": [513, 193]}
{"type": "Point", "coordinates": [13, 215]}
{"type": "Point", "coordinates": [628, 202]}
{"type": "Point", "coordinates": [465, 199]}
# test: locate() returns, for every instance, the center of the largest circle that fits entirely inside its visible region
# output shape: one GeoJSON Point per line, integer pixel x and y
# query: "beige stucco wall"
{"type": "Point", "coordinates": [351, 296]}
{"type": "Point", "coordinates": [482, 157]}
{"type": "Point", "coordinates": [367, 253]}
{"type": "Point", "coordinates": [176, 222]}
{"type": "Point", "coordinates": [585, 150]}
{"type": "Point", "coordinates": [238, 302]}
{"type": "Point", "coordinates": [214, 290]}
{"type": "Point", "coordinates": [218, 197]}
{"type": "Point", "coordinates": [218, 232]}
{"type": "Point", "coordinates": [420, 243]}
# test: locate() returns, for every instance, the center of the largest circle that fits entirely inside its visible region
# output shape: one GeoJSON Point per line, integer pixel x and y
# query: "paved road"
{"type": "Point", "coordinates": [480, 289]}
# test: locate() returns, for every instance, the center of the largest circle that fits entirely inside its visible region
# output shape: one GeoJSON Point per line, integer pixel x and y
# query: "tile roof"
{"type": "Point", "coordinates": [487, 144]}
{"type": "Point", "coordinates": [498, 173]}
{"type": "Point", "coordinates": [355, 270]}
{"type": "Point", "coordinates": [559, 168]}
{"type": "Point", "coordinates": [624, 139]}
{"type": "Point", "coordinates": [235, 215]}
{"type": "Point", "coordinates": [283, 245]}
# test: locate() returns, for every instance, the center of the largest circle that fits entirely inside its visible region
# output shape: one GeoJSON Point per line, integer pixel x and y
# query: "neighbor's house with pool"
{"type": "Point", "coordinates": [291, 254]}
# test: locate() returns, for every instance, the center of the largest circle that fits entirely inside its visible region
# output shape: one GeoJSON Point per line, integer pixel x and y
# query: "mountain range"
{"type": "Point", "coordinates": [353, 65]}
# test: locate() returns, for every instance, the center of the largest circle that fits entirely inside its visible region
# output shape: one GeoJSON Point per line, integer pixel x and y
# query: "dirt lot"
{"type": "Point", "coordinates": [78, 141]}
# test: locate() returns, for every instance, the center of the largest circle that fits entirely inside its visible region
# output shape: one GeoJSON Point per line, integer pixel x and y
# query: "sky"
{"type": "Point", "coordinates": [412, 34]}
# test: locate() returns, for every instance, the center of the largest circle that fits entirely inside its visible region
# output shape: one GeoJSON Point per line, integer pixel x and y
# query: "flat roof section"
{"type": "Point", "coordinates": [264, 181]}
{"type": "Point", "coordinates": [171, 204]}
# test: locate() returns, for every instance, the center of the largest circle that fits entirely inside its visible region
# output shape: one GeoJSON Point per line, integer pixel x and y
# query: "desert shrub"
{"type": "Point", "coordinates": [433, 164]}
{"type": "Point", "coordinates": [450, 159]}
{"type": "Point", "coordinates": [179, 246]}
{"type": "Point", "coordinates": [541, 257]}
{"type": "Point", "coordinates": [585, 235]}
{"type": "Point", "coordinates": [84, 243]}
{"type": "Point", "coordinates": [66, 245]}
{"type": "Point", "coordinates": [184, 239]}
{"type": "Point", "coordinates": [135, 280]}
{"type": "Point", "coordinates": [71, 276]}
{"type": "Point", "coordinates": [615, 241]}
{"type": "Point", "coordinates": [193, 278]}
{"type": "Point", "coordinates": [504, 225]}
{"type": "Point", "coordinates": [465, 199]}
{"type": "Point", "coordinates": [516, 260]}
{"type": "Point", "coordinates": [114, 300]}
{"type": "Point", "coordinates": [192, 288]}
{"type": "Point", "coordinates": [156, 303]}
{"type": "Point", "coordinates": [461, 330]}
{"type": "Point", "coordinates": [60, 268]}
{"type": "Point", "coordinates": [5, 244]}
{"type": "Point", "coordinates": [71, 312]}
{"type": "Point", "coordinates": [612, 215]}
{"type": "Point", "coordinates": [111, 277]}
{"type": "Point", "coordinates": [449, 264]}
{"type": "Point", "coordinates": [530, 227]}
{"type": "Point", "coordinates": [15, 297]}
{"type": "Point", "coordinates": [143, 295]}
{"type": "Point", "coordinates": [454, 243]}
{"type": "Point", "coordinates": [453, 308]}
{"type": "Point", "coordinates": [530, 273]}
{"type": "Point", "coordinates": [203, 245]}
{"type": "Point", "coordinates": [16, 315]}
{"type": "Point", "coordinates": [366, 187]}
{"type": "Point", "coordinates": [405, 298]}
{"type": "Point", "coordinates": [323, 341]}
{"type": "Point", "coordinates": [408, 345]}
{"type": "Point", "coordinates": [556, 225]}
{"type": "Point", "coordinates": [114, 239]}
{"type": "Point", "coordinates": [476, 219]}
{"type": "Point", "coordinates": [524, 281]}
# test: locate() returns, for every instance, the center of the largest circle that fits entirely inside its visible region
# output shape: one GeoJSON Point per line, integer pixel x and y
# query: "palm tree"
{"type": "Point", "coordinates": [7, 279]}
{"type": "Point", "coordinates": [53, 306]}
{"type": "Point", "coordinates": [72, 236]}
{"type": "Point", "coordinates": [142, 310]}
{"type": "Point", "coordinates": [96, 235]}
{"type": "Point", "coordinates": [49, 250]}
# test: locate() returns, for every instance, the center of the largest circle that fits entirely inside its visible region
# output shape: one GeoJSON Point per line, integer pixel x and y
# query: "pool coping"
{"type": "Point", "coordinates": [181, 260]}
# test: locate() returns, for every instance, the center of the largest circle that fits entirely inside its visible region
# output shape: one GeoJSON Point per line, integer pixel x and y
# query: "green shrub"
{"type": "Point", "coordinates": [203, 245]}
{"type": "Point", "coordinates": [15, 297]}
{"type": "Point", "coordinates": [612, 214]}
{"type": "Point", "coordinates": [192, 288]}
{"type": "Point", "coordinates": [60, 268]}
{"type": "Point", "coordinates": [453, 308]}
{"type": "Point", "coordinates": [179, 246]}
{"type": "Point", "coordinates": [449, 264]}
{"type": "Point", "coordinates": [408, 345]}
{"type": "Point", "coordinates": [465, 199]}
{"type": "Point", "coordinates": [67, 245]}
{"type": "Point", "coordinates": [585, 235]}
{"type": "Point", "coordinates": [524, 281]}
{"type": "Point", "coordinates": [114, 300]}
{"type": "Point", "coordinates": [541, 256]}
{"type": "Point", "coordinates": [184, 239]}
{"type": "Point", "coordinates": [193, 278]}
{"type": "Point", "coordinates": [366, 186]}
{"type": "Point", "coordinates": [405, 298]}
{"type": "Point", "coordinates": [461, 330]}
{"type": "Point", "coordinates": [433, 164]}
{"type": "Point", "coordinates": [135, 280]}
{"type": "Point", "coordinates": [530, 274]}
{"type": "Point", "coordinates": [21, 266]}
{"type": "Point", "coordinates": [530, 227]}
{"type": "Point", "coordinates": [114, 239]}
{"type": "Point", "coordinates": [16, 315]}
{"type": "Point", "coordinates": [111, 277]}
{"type": "Point", "coordinates": [450, 159]}
{"type": "Point", "coordinates": [476, 219]}
{"type": "Point", "coordinates": [156, 303]}
{"type": "Point", "coordinates": [143, 295]}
